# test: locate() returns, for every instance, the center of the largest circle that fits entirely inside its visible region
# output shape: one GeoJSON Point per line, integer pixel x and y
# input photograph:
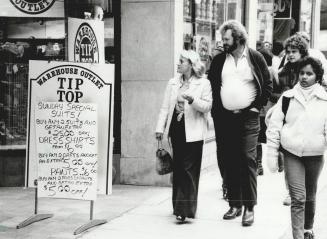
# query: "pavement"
{"type": "Point", "coordinates": [143, 212]}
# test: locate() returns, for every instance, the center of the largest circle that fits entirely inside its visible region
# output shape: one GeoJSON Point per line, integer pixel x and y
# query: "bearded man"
{"type": "Point", "coordinates": [241, 85]}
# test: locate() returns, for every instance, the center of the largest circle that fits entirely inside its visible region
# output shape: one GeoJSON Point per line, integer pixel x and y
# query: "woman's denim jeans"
{"type": "Point", "coordinates": [302, 175]}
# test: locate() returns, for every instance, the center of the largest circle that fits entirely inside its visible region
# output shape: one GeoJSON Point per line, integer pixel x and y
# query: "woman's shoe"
{"type": "Point", "coordinates": [309, 235]}
{"type": "Point", "coordinates": [180, 218]}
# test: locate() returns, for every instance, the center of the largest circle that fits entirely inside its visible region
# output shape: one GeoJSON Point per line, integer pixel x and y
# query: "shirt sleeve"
{"type": "Point", "coordinates": [275, 125]}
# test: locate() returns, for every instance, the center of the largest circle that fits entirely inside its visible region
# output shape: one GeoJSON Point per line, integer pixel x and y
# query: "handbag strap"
{"type": "Point", "coordinates": [159, 144]}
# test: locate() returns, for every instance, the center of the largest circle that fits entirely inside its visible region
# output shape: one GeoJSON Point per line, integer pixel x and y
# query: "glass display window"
{"type": "Point", "coordinates": [321, 41]}
{"type": "Point", "coordinates": [23, 39]}
{"type": "Point", "coordinates": [265, 21]}
{"type": "Point", "coordinates": [279, 19]}
{"type": "Point", "coordinates": [202, 19]}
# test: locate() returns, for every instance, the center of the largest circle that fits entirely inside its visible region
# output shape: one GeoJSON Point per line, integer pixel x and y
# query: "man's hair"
{"type": "Point", "coordinates": [316, 67]}
{"type": "Point", "coordinates": [238, 30]}
{"type": "Point", "coordinates": [297, 42]}
{"type": "Point", "coordinates": [305, 35]}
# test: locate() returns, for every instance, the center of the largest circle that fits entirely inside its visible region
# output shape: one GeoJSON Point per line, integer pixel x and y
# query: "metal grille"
{"type": "Point", "coordinates": [13, 103]}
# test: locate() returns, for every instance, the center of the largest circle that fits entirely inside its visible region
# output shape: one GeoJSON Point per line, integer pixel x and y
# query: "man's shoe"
{"type": "Point", "coordinates": [309, 235]}
{"type": "Point", "coordinates": [232, 213]}
{"type": "Point", "coordinates": [248, 217]}
{"type": "Point", "coordinates": [180, 218]}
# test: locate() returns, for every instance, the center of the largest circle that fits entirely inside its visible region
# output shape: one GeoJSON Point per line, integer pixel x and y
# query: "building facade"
{"type": "Point", "coordinates": [143, 39]}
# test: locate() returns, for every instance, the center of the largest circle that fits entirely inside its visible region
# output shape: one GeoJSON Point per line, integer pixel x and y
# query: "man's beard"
{"type": "Point", "coordinates": [230, 48]}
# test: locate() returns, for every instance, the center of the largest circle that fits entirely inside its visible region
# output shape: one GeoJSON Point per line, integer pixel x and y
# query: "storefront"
{"type": "Point", "coordinates": [37, 30]}
{"type": "Point", "coordinates": [279, 19]}
{"type": "Point", "coordinates": [143, 39]}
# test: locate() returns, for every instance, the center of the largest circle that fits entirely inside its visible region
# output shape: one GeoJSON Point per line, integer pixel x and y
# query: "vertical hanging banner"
{"type": "Point", "coordinates": [85, 40]}
{"type": "Point", "coordinates": [58, 92]}
{"type": "Point", "coordinates": [32, 8]}
{"type": "Point", "coordinates": [66, 147]}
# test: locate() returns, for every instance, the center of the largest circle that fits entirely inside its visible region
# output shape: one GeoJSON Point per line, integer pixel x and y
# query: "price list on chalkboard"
{"type": "Point", "coordinates": [66, 143]}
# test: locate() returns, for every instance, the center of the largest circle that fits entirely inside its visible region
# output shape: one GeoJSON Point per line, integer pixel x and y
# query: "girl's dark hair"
{"type": "Point", "coordinates": [316, 66]}
{"type": "Point", "coordinates": [297, 42]}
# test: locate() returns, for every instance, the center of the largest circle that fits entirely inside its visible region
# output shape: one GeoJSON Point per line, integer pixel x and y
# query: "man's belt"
{"type": "Point", "coordinates": [237, 111]}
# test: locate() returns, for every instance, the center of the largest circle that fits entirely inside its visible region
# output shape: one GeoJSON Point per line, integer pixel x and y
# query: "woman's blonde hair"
{"type": "Point", "coordinates": [194, 58]}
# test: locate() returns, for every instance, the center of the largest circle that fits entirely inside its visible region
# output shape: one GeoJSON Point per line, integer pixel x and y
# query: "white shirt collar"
{"type": "Point", "coordinates": [244, 54]}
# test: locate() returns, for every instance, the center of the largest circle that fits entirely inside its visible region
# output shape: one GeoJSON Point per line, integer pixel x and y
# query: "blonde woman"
{"type": "Point", "coordinates": [183, 116]}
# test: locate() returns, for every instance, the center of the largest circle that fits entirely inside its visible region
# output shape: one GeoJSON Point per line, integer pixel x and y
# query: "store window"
{"type": "Point", "coordinates": [23, 39]}
{"type": "Point", "coordinates": [322, 45]}
{"type": "Point", "coordinates": [265, 22]}
{"type": "Point", "coordinates": [279, 19]}
{"type": "Point", "coordinates": [202, 19]}
{"type": "Point", "coordinates": [306, 16]}
{"type": "Point", "coordinates": [285, 19]}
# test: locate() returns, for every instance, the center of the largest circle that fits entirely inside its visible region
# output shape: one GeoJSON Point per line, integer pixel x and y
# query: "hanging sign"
{"type": "Point", "coordinates": [32, 8]}
{"type": "Point", "coordinates": [66, 146]}
{"type": "Point", "coordinates": [85, 40]}
{"type": "Point", "coordinates": [72, 83]}
{"type": "Point", "coordinates": [282, 9]}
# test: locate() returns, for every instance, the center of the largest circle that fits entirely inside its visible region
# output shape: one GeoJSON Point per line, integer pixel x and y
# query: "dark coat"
{"type": "Point", "coordinates": [261, 75]}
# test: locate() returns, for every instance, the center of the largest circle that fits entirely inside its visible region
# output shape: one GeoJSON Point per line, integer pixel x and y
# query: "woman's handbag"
{"type": "Point", "coordinates": [164, 162]}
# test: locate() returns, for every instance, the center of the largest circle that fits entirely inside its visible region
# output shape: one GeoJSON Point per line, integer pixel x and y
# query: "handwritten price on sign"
{"type": "Point", "coordinates": [63, 188]}
{"type": "Point", "coordinates": [67, 150]}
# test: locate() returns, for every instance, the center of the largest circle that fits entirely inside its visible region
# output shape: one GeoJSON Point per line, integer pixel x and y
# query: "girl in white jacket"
{"type": "Point", "coordinates": [183, 116]}
{"type": "Point", "coordinates": [301, 136]}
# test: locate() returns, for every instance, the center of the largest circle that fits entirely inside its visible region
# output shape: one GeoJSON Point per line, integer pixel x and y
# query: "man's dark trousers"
{"type": "Point", "coordinates": [237, 137]}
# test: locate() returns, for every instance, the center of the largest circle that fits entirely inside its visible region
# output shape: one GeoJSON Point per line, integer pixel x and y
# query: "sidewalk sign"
{"type": "Point", "coordinates": [69, 144]}
{"type": "Point", "coordinates": [66, 146]}
{"type": "Point", "coordinates": [36, 217]}
{"type": "Point", "coordinates": [73, 83]}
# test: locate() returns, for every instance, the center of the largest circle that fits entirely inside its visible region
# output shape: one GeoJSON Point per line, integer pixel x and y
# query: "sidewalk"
{"type": "Point", "coordinates": [145, 212]}
{"type": "Point", "coordinates": [154, 219]}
